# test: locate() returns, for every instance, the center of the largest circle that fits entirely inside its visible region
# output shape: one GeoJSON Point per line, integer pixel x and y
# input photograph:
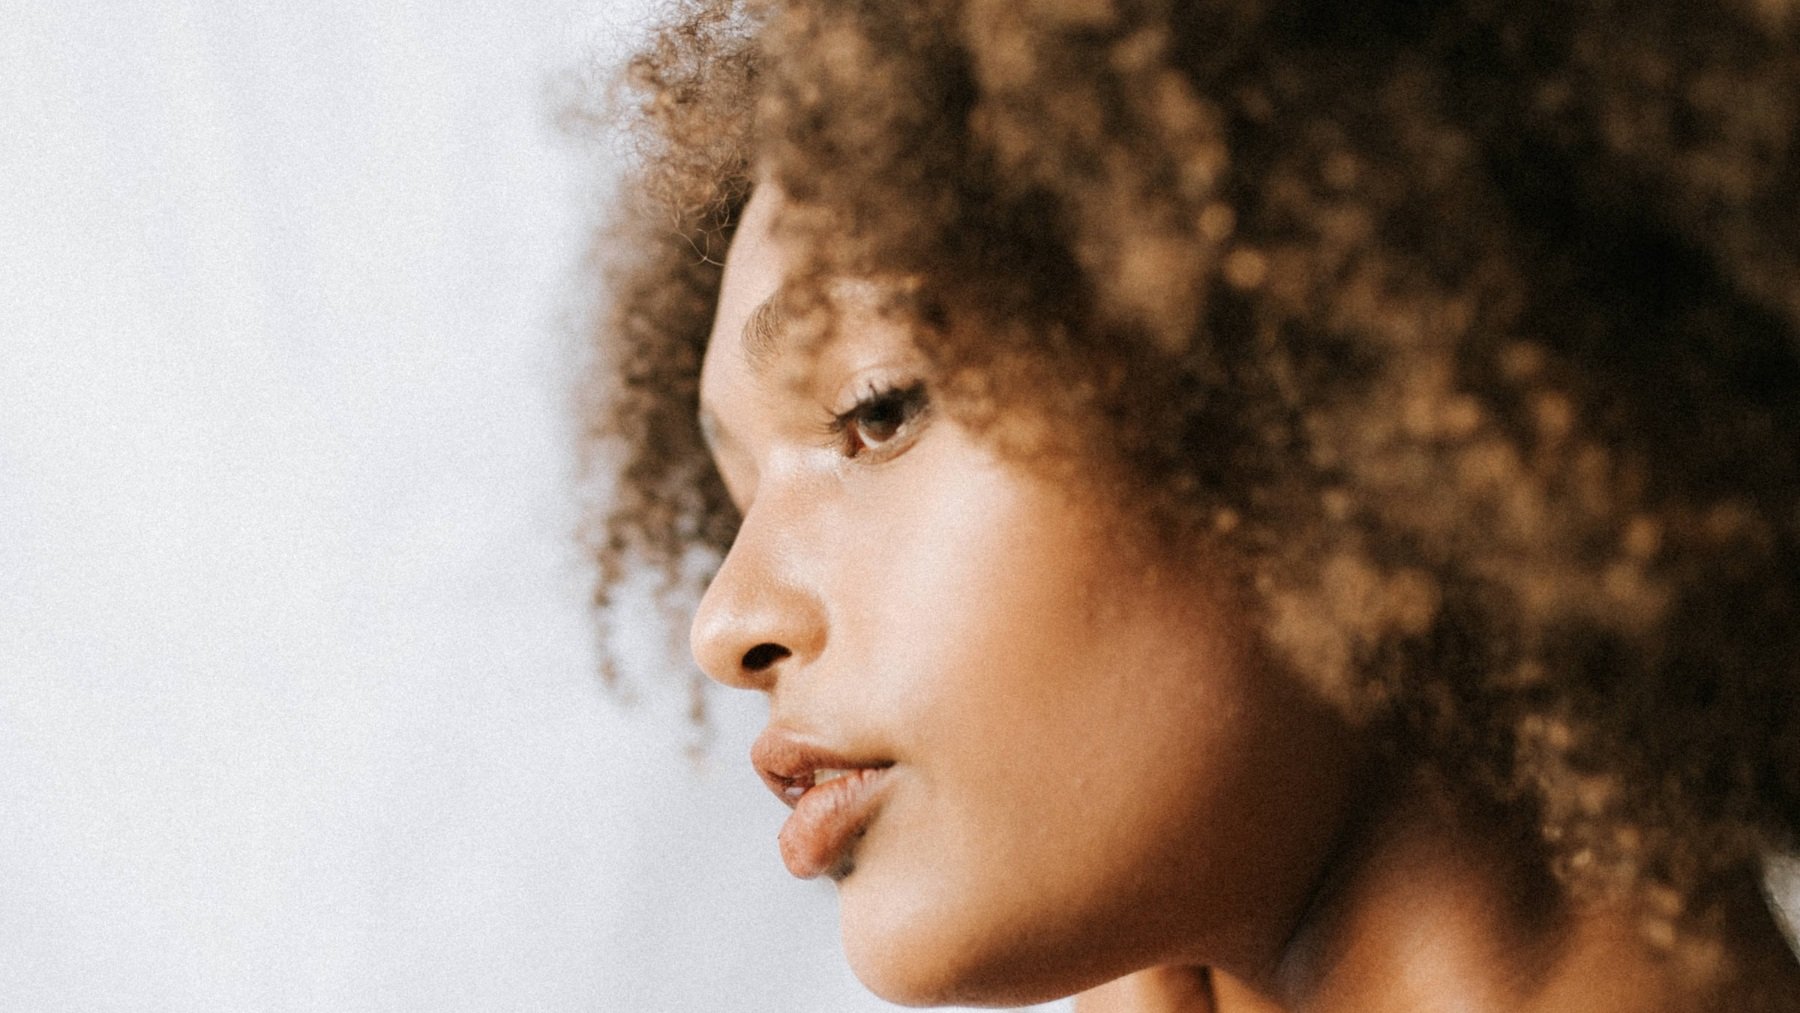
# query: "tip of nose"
{"type": "Point", "coordinates": [749, 625]}
{"type": "Point", "coordinates": [736, 665]}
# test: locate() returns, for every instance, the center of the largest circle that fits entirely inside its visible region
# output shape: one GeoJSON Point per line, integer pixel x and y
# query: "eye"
{"type": "Point", "coordinates": [880, 419]}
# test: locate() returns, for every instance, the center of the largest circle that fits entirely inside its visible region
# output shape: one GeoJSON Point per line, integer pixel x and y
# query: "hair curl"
{"type": "Point", "coordinates": [1472, 329]}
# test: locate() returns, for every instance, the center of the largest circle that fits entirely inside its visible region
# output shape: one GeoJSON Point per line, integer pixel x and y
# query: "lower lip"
{"type": "Point", "coordinates": [827, 820]}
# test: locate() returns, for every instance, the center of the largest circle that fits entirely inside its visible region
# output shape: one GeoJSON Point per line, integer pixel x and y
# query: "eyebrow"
{"type": "Point", "coordinates": [765, 329]}
{"type": "Point", "coordinates": [764, 332]}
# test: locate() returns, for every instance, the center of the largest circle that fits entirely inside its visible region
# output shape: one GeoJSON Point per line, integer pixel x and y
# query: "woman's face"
{"type": "Point", "coordinates": [1064, 764]}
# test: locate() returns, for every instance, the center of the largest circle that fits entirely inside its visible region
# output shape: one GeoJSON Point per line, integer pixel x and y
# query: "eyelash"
{"type": "Point", "coordinates": [900, 407]}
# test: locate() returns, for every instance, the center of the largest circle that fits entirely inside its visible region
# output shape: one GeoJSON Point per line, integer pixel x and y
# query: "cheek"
{"type": "Point", "coordinates": [1061, 727]}
{"type": "Point", "coordinates": [991, 586]}
{"type": "Point", "coordinates": [1091, 770]}
{"type": "Point", "coordinates": [1022, 644]}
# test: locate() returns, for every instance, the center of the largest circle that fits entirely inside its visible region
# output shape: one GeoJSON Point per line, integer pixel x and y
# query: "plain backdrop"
{"type": "Point", "coordinates": [298, 703]}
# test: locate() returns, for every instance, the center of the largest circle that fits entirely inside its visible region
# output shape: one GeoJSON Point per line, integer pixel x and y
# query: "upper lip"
{"type": "Point", "coordinates": [789, 762]}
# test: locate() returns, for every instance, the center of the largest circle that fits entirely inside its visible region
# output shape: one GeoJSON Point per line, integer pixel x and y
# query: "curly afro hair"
{"type": "Point", "coordinates": [1470, 330]}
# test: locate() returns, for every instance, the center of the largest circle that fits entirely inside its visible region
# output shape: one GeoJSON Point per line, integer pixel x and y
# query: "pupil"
{"type": "Point", "coordinates": [880, 417]}
{"type": "Point", "coordinates": [884, 418]}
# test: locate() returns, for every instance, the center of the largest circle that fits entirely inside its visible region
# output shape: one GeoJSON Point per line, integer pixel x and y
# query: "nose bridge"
{"type": "Point", "coordinates": [762, 611]}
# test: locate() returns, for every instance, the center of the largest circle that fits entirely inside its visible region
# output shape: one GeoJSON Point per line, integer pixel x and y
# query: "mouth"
{"type": "Point", "coordinates": [834, 798]}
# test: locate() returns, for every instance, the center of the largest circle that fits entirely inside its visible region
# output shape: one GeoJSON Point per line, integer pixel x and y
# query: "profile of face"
{"type": "Point", "coordinates": [1031, 758]}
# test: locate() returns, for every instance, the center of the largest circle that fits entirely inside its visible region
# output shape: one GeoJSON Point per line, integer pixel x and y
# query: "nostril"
{"type": "Point", "coordinates": [760, 657]}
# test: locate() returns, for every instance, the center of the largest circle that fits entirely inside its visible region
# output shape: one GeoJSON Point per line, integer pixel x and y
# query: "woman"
{"type": "Point", "coordinates": [1238, 505]}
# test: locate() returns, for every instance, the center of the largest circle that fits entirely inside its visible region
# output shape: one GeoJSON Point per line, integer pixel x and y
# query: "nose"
{"type": "Point", "coordinates": [758, 615]}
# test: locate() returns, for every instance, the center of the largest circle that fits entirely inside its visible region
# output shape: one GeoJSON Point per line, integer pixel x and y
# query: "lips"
{"type": "Point", "coordinates": [833, 797]}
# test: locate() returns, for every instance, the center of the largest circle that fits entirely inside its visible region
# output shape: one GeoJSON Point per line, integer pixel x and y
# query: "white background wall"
{"type": "Point", "coordinates": [297, 698]}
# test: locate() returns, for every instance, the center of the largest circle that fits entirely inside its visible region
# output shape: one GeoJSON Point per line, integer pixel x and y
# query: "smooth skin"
{"type": "Point", "coordinates": [1096, 775]}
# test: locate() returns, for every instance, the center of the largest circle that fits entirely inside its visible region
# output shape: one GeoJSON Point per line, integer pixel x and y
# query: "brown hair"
{"type": "Point", "coordinates": [1471, 329]}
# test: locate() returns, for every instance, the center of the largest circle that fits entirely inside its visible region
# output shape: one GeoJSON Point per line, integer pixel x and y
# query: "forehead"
{"type": "Point", "coordinates": [754, 269]}
{"type": "Point", "coordinates": [740, 378]}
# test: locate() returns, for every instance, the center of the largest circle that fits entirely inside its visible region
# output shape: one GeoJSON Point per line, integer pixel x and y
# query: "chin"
{"type": "Point", "coordinates": [908, 957]}
{"type": "Point", "coordinates": [905, 981]}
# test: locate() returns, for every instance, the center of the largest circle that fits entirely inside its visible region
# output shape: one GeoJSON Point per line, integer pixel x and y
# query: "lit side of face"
{"type": "Point", "coordinates": [1071, 764]}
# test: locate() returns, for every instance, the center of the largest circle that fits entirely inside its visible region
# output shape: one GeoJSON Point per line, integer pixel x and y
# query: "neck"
{"type": "Point", "coordinates": [1425, 907]}
{"type": "Point", "coordinates": [1429, 906]}
{"type": "Point", "coordinates": [1420, 903]}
